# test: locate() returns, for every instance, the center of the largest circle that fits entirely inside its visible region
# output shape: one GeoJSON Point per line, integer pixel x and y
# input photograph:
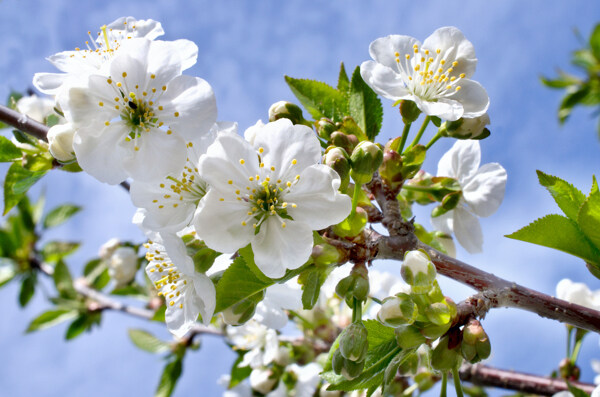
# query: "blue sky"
{"type": "Point", "coordinates": [245, 49]}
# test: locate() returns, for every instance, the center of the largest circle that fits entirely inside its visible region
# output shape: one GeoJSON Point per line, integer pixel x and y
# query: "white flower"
{"type": "Point", "coordinates": [35, 107]}
{"type": "Point", "coordinates": [134, 120]}
{"type": "Point", "coordinates": [187, 293]}
{"type": "Point", "coordinates": [242, 389]}
{"type": "Point", "coordinates": [278, 298]}
{"type": "Point", "coordinates": [79, 63]}
{"type": "Point", "coordinates": [578, 293]}
{"type": "Point", "coordinates": [273, 196]}
{"type": "Point", "coordinates": [482, 193]}
{"type": "Point", "coordinates": [263, 380]}
{"type": "Point", "coordinates": [261, 342]}
{"type": "Point", "coordinates": [123, 265]}
{"type": "Point", "coordinates": [108, 248]}
{"type": "Point", "coordinates": [60, 142]}
{"type": "Point", "coordinates": [170, 204]}
{"type": "Point", "coordinates": [308, 379]}
{"type": "Point", "coordinates": [435, 75]}
{"type": "Point", "coordinates": [250, 133]}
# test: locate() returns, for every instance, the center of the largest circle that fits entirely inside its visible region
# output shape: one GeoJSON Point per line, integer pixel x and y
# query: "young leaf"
{"type": "Point", "coordinates": [378, 333]}
{"type": "Point", "coordinates": [63, 281]}
{"type": "Point", "coordinates": [561, 233]}
{"type": "Point", "coordinates": [568, 197]}
{"type": "Point", "coordinates": [17, 183]}
{"type": "Point", "coordinates": [133, 291]}
{"type": "Point", "coordinates": [8, 150]}
{"type": "Point", "coordinates": [343, 84]}
{"type": "Point", "coordinates": [60, 215]}
{"type": "Point", "coordinates": [311, 287]}
{"type": "Point", "coordinates": [169, 378]}
{"type": "Point", "coordinates": [27, 289]}
{"type": "Point", "coordinates": [56, 250]}
{"type": "Point", "coordinates": [50, 318]}
{"type": "Point", "coordinates": [595, 42]}
{"type": "Point", "coordinates": [80, 324]}
{"type": "Point", "coordinates": [238, 374]}
{"type": "Point", "coordinates": [319, 99]}
{"type": "Point", "coordinates": [364, 106]}
{"type": "Point", "coordinates": [148, 342]}
{"type": "Point", "coordinates": [576, 392]}
{"type": "Point", "coordinates": [589, 218]}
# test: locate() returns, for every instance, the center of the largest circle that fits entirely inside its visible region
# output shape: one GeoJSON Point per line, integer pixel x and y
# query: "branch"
{"type": "Point", "coordinates": [483, 375]}
{"type": "Point", "coordinates": [23, 123]}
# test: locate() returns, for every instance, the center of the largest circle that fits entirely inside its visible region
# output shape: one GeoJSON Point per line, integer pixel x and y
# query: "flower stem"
{"type": "Point", "coordinates": [444, 382]}
{"type": "Point", "coordinates": [404, 136]}
{"type": "Point", "coordinates": [569, 331]}
{"type": "Point", "coordinates": [576, 350]}
{"type": "Point", "coordinates": [433, 140]}
{"type": "Point", "coordinates": [357, 311]}
{"type": "Point", "coordinates": [357, 189]}
{"type": "Point", "coordinates": [457, 385]}
{"type": "Point", "coordinates": [420, 133]}
{"type": "Point", "coordinates": [414, 188]}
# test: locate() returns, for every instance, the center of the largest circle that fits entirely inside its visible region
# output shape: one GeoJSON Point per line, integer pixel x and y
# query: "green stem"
{"type": "Point", "coordinates": [444, 383]}
{"type": "Point", "coordinates": [415, 188]}
{"type": "Point", "coordinates": [576, 350]}
{"type": "Point", "coordinates": [420, 133]}
{"type": "Point", "coordinates": [357, 311]}
{"type": "Point", "coordinates": [569, 332]}
{"type": "Point", "coordinates": [404, 136]}
{"type": "Point", "coordinates": [433, 140]}
{"type": "Point", "coordinates": [357, 189]}
{"type": "Point", "coordinates": [457, 385]}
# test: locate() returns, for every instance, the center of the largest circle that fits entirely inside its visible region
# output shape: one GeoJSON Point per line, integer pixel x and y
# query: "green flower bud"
{"type": "Point", "coordinates": [325, 128]}
{"type": "Point", "coordinates": [409, 111]}
{"type": "Point", "coordinates": [338, 160]}
{"type": "Point", "coordinates": [353, 342]}
{"type": "Point", "coordinates": [391, 168]}
{"type": "Point", "coordinates": [472, 128]}
{"type": "Point", "coordinates": [337, 362]}
{"type": "Point", "coordinates": [287, 110]}
{"type": "Point", "coordinates": [409, 336]}
{"type": "Point", "coordinates": [440, 313]}
{"type": "Point", "coordinates": [475, 344]}
{"type": "Point", "coordinates": [325, 254]}
{"type": "Point", "coordinates": [433, 331]}
{"type": "Point", "coordinates": [366, 159]}
{"type": "Point", "coordinates": [397, 310]}
{"type": "Point", "coordinates": [353, 224]}
{"type": "Point", "coordinates": [418, 271]}
{"type": "Point", "coordinates": [346, 142]}
{"type": "Point", "coordinates": [352, 369]}
{"type": "Point", "coordinates": [344, 286]}
{"type": "Point", "coordinates": [410, 365]}
{"type": "Point", "coordinates": [445, 358]}
{"type": "Point", "coordinates": [356, 285]}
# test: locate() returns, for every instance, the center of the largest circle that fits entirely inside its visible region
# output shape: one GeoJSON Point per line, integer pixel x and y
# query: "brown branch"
{"type": "Point", "coordinates": [483, 375]}
{"type": "Point", "coordinates": [23, 123]}
{"type": "Point", "coordinates": [386, 198]}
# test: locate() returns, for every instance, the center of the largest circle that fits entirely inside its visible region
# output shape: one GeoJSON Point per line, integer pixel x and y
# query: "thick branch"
{"type": "Point", "coordinates": [483, 375]}
{"type": "Point", "coordinates": [23, 123]}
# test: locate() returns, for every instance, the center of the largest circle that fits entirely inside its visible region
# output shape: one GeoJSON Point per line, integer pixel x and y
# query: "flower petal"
{"type": "Point", "coordinates": [205, 297]}
{"type": "Point", "coordinates": [473, 97]}
{"type": "Point", "coordinates": [384, 81]}
{"type": "Point", "coordinates": [318, 202]}
{"type": "Point", "coordinates": [484, 190]}
{"type": "Point", "coordinates": [444, 108]}
{"type": "Point", "coordinates": [48, 83]}
{"type": "Point", "coordinates": [383, 50]}
{"type": "Point", "coordinates": [461, 161]}
{"type": "Point", "coordinates": [467, 230]}
{"type": "Point", "coordinates": [456, 47]}
{"type": "Point", "coordinates": [443, 223]}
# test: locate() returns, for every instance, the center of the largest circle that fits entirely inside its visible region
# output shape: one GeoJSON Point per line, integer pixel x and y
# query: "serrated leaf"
{"type": "Point", "coordinates": [27, 289]}
{"type": "Point", "coordinates": [561, 233]}
{"type": "Point", "coordinates": [8, 150]}
{"type": "Point", "coordinates": [378, 333]}
{"type": "Point", "coordinates": [60, 215]}
{"type": "Point", "coordinates": [319, 99]}
{"type": "Point", "coordinates": [50, 318]}
{"type": "Point", "coordinates": [77, 327]}
{"type": "Point", "coordinates": [343, 84]}
{"type": "Point", "coordinates": [571, 100]}
{"type": "Point", "coordinates": [56, 250]}
{"type": "Point", "coordinates": [17, 182]}
{"type": "Point", "coordinates": [148, 342]}
{"type": "Point", "coordinates": [589, 218]}
{"type": "Point", "coordinates": [63, 281]}
{"type": "Point", "coordinates": [169, 378]}
{"type": "Point", "coordinates": [364, 106]}
{"type": "Point", "coordinates": [568, 197]}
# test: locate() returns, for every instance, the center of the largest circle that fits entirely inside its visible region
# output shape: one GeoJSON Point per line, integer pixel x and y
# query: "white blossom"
{"type": "Point", "coordinates": [278, 298]}
{"type": "Point", "coordinates": [35, 107]}
{"type": "Point", "coordinates": [435, 75]}
{"type": "Point", "coordinates": [262, 380]}
{"type": "Point", "coordinates": [260, 342]}
{"type": "Point", "coordinates": [108, 248]}
{"type": "Point", "coordinates": [272, 195]}
{"type": "Point", "coordinates": [242, 389]}
{"type": "Point", "coordinates": [60, 142]}
{"type": "Point", "coordinates": [123, 265]}
{"type": "Point", "coordinates": [482, 193]}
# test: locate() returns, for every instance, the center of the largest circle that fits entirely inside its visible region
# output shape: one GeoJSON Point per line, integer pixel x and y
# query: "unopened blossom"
{"type": "Point", "coordinates": [136, 119]}
{"type": "Point", "coordinates": [169, 204]}
{"type": "Point", "coordinates": [123, 265]}
{"type": "Point", "coordinates": [482, 193]}
{"type": "Point", "coordinates": [260, 342]}
{"type": "Point", "coordinates": [60, 142]}
{"type": "Point", "coordinates": [578, 293]}
{"type": "Point", "coordinates": [187, 293]}
{"type": "Point", "coordinates": [436, 75]}
{"type": "Point", "coordinates": [271, 195]}
{"type": "Point", "coordinates": [35, 107]}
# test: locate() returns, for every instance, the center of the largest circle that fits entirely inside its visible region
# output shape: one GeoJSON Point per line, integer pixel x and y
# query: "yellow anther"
{"type": "Point", "coordinates": [243, 223]}
{"type": "Point", "coordinates": [160, 108]}
{"type": "Point", "coordinates": [458, 88]}
{"type": "Point", "coordinates": [162, 185]}
{"type": "Point", "coordinates": [169, 132]}
{"type": "Point", "coordinates": [417, 68]}
{"type": "Point", "coordinates": [107, 123]}
{"type": "Point", "coordinates": [448, 87]}
{"type": "Point", "coordinates": [242, 161]}
{"type": "Point", "coordinates": [171, 303]}
{"type": "Point", "coordinates": [124, 74]}
{"type": "Point", "coordinates": [251, 178]}
{"type": "Point", "coordinates": [152, 76]}
{"type": "Point", "coordinates": [454, 63]}
{"type": "Point", "coordinates": [176, 114]}
{"type": "Point", "coordinates": [237, 191]}
{"type": "Point", "coordinates": [100, 103]}
{"type": "Point", "coordinates": [261, 150]}
{"type": "Point", "coordinates": [119, 84]}
{"type": "Point", "coordinates": [294, 162]}
{"type": "Point", "coordinates": [283, 224]}
{"type": "Point", "coordinates": [289, 184]}
{"type": "Point", "coordinates": [230, 182]}
{"type": "Point", "coordinates": [262, 165]}
{"type": "Point", "coordinates": [164, 87]}
{"type": "Point", "coordinates": [294, 205]}
{"type": "Point", "coordinates": [272, 168]}
{"type": "Point", "coordinates": [438, 51]}
{"type": "Point", "coordinates": [221, 199]}
{"type": "Point", "coordinates": [462, 75]}
{"type": "Point", "coordinates": [443, 62]}
{"type": "Point", "coordinates": [181, 305]}
{"type": "Point", "coordinates": [161, 206]}
{"type": "Point", "coordinates": [137, 149]}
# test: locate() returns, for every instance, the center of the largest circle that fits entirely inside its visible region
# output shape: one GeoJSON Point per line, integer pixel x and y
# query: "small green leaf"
{"type": "Point", "coordinates": [595, 42]}
{"type": "Point", "coordinates": [563, 81]}
{"type": "Point", "coordinates": [571, 100]}
{"type": "Point", "coordinates": [148, 342]}
{"type": "Point", "coordinates": [378, 333]}
{"type": "Point", "coordinates": [8, 150]}
{"type": "Point", "coordinates": [27, 289]}
{"type": "Point", "coordinates": [17, 183]}
{"type": "Point", "coordinates": [50, 318]}
{"type": "Point", "coordinates": [568, 197]}
{"type": "Point", "coordinates": [312, 280]}
{"type": "Point", "coordinates": [56, 250]}
{"type": "Point", "coordinates": [159, 314]}
{"type": "Point", "coordinates": [169, 378]}
{"type": "Point", "coordinates": [589, 218]}
{"type": "Point", "coordinates": [63, 281]}
{"type": "Point", "coordinates": [60, 215]}
{"type": "Point", "coordinates": [80, 324]}
{"type": "Point", "coordinates": [238, 374]}
{"type": "Point", "coordinates": [576, 392]}
{"type": "Point", "coordinates": [319, 99]}
{"type": "Point", "coordinates": [343, 84]}
{"type": "Point", "coordinates": [365, 106]}
{"type": "Point", "coordinates": [561, 233]}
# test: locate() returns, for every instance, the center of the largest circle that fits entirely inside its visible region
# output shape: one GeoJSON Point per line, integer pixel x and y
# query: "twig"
{"type": "Point", "coordinates": [23, 123]}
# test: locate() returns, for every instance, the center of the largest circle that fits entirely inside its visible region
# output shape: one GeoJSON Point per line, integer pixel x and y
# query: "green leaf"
{"type": "Point", "coordinates": [561, 233]}
{"type": "Point", "coordinates": [8, 150]}
{"type": "Point", "coordinates": [595, 42]}
{"type": "Point", "coordinates": [80, 324]}
{"type": "Point", "coordinates": [50, 318]}
{"type": "Point", "coordinates": [576, 392]}
{"type": "Point", "coordinates": [134, 291]}
{"type": "Point", "coordinates": [364, 106]}
{"type": "Point", "coordinates": [589, 218]}
{"type": "Point", "coordinates": [312, 280]}
{"type": "Point", "coordinates": [159, 314]}
{"type": "Point", "coordinates": [7, 270]}
{"type": "Point", "coordinates": [343, 84]}
{"type": "Point", "coordinates": [27, 289]}
{"type": "Point", "coordinates": [169, 378]}
{"type": "Point", "coordinates": [56, 250]}
{"type": "Point", "coordinates": [60, 214]}
{"type": "Point", "coordinates": [63, 281]}
{"type": "Point", "coordinates": [563, 81]}
{"type": "Point", "coordinates": [238, 374]}
{"type": "Point", "coordinates": [568, 197]}
{"type": "Point", "coordinates": [148, 342]}
{"type": "Point", "coordinates": [319, 99]}
{"type": "Point", "coordinates": [23, 137]}
{"type": "Point", "coordinates": [378, 333]}
{"type": "Point", "coordinates": [571, 100]}
{"type": "Point", "coordinates": [17, 183]}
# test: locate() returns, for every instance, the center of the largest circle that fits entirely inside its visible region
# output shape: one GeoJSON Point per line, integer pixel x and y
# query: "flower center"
{"type": "Point", "coordinates": [429, 75]}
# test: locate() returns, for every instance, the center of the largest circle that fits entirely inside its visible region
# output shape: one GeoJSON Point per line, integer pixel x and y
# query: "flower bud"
{"type": "Point", "coordinates": [409, 111]}
{"type": "Point", "coordinates": [366, 159]}
{"type": "Point", "coordinates": [37, 108]}
{"type": "Point", "coordinates": [123, 265]}
{"type": "Point", "coordinates": [283, 356]}
{"type": "Point", "coordinates": [325, 128]}
{"type": "Point", "coordinates": [569, 370]}
{"type": "Point", "coordinates": [418, 271]}
{"type": "Point", "coordinates": [352, 369]}
{"type": "Point", "coordinates": [391, 168]}
{"type": "Point", "coordinates": [409, 336]}
{"type": "Point", "coordinates": [337, 362]}
{"type": "Point", "coordinates": [60, 140]}
{"type": "Point", "coordinates": [287, 110]}
{"type": "Point", "coordinates": [445, 358]}
{"type": "Point", "coordinates": [356, 285]}
{"type": "Point", "coordinates": [353, 224]}
{"type": "Point", "coordinates": [397, 310]}
{"type": "Point", "coordinates": [472, 128]}
{"type": "Point", "coordinates": [346, 142]}
{"type": "Point", "coordinates": [440, 313]}
{"type": "Point", "coordinates": [449, 202]}
{"type": "Point", "coordinates": [433, 331]}
{"type": "Point", "coordinates": [353, 342]}
{"type": "Point", "coordinates": [410, 364]}
{"type": "Point", "coordinates": [339, 161]}
{"type": "Point", "coordinates": [325, 254]}
{"type": "Point", "coordinates": [263, 380]}
{"type": "Point", "coordinates": [475, 344]}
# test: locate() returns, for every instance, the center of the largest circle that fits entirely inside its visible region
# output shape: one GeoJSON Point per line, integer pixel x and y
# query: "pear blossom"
{"type": "Point", "coordinates": [482, 193]}
{"type": "Point", "coordinates": [436, 75]}
{"type": "Point", "coordinates": [123, 265]}
{"type": "Point", "coordinates": [169, 205]}
{"type": "Point", "coordinates": [272, 195]}
{"type": "Point", "coordinates": [261, 343]}
{"type": "Point", "coordinates": [134, 120]}
{"type": "Point", "coordinates": [35, 107]}
{"type": "Point", "coordinates": [187, 293]}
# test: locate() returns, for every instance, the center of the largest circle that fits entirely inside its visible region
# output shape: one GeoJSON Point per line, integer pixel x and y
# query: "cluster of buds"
{"type": "Point", "coordinates": [426, 189]}
{"type": "Point", "coordinates": [398, 167]}
{"type": "Point", "coordinates": [349, 359]}
{"type": "Point", "coordinates": [354, 286]}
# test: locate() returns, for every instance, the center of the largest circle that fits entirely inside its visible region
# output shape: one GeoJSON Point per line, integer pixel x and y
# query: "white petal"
{"type": "Point", "coordinates": [467, 230]}
{"type": "Point", "coordinates": [383, 49]}
{"type": "Point", "coordinates": [461, 49]}
{"type": "Point", "coordinates": [473, 97]}
{"type": "Point", "coordinates": [48, 83]}
{"type": "Point", "coordinates": [270, 316]}
{"type": "Point", "coordinates": [484, 190]}
{"type": "Point", "coordinates": [130, 65]}
{"type": "Point", "coordinates": [250, 132]}
{"type": "Point", "coordinates": [206, 294]}
{"type": "Point", "coordinates": [82, 106]}
{"type": "Point", "coordinates": [443, 223]}
{"type": "Point", "coordinates": [147, 28]}
{"type": "Point", "coordinates": [218, 223]}
{"type": "Point", "coordinates": [277, 248]}
{"type": "Point", "coordinates": [271, 347]}
{"type": "Point", "coordinates": [177, 252]}
{"type": "Point", "coordinates": [446, 109]}
{"type": "Point", "coordinates": [461, 161]}
{"type": "Point", "coordinates": [319, 204]}
{"type": "Point", "coordinates": [384, 81]}
{"type": "Point", "coordinates": [284, 296]}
